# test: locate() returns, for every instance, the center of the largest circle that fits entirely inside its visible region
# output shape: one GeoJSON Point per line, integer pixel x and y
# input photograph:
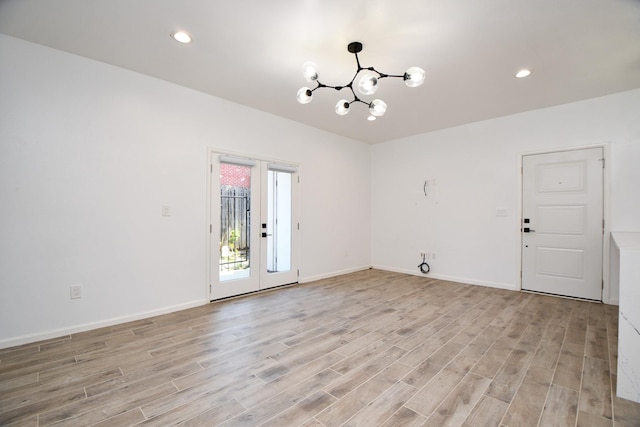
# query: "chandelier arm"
{"type": "Point", "coordinates": [355, 97]}
{"type": "Point", "coordinates": [350, 85]}
{"type": "Point", "coordinates": [320, 85]}
{"type": "Point", "coordinates": [361, 101]}
{"type": "Point", "coordinates": [382, 76]}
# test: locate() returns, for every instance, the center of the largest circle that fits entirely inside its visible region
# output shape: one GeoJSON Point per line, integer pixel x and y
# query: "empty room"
{"type": "Point", "coordinates": [319, 213]}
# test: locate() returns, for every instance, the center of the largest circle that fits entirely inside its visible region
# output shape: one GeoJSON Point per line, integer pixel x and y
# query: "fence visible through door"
{"type": "Point", "coordinates": [562, 223]}
{"type": "Point", "coordinates": [235, 221]}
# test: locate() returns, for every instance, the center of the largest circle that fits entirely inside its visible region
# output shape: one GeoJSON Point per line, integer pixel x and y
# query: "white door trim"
{"type": "Point", "coordinates": [609, 295]}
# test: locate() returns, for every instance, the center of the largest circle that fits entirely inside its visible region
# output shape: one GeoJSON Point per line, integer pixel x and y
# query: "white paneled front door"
{"type": "Point", "coordinates": [562, 223]}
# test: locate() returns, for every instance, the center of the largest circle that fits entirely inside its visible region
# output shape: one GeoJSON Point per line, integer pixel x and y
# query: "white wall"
{"type": "Point", "coordinates": [89, 153]}
{"type": "Point", "coordinates": [477, 170]}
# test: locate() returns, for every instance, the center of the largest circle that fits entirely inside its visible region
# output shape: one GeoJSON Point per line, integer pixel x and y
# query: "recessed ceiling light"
{"type": "Point", "coordinates": [181, 37]}
{"type": "Point", "coordinates": [523, 73]}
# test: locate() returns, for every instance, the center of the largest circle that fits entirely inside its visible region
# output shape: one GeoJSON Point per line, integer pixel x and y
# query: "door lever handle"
{"type": "Point", "coordinates": [528, 230]}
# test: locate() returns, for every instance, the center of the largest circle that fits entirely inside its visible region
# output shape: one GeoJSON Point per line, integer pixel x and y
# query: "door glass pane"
{"type": "Point", "coordinates": [235, 220]}
{"type": "Point", "coordinates": [278, 221]}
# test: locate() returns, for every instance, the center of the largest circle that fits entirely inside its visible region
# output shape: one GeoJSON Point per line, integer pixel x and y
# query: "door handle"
{"type": "Point", "coordinates": [528, 230]}
{"type": "Point", "coordinates": [265, 234]}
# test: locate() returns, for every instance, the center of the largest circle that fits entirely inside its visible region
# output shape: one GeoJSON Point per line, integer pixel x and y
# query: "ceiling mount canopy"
{"type": "Point", "coordinates": [367, 85]}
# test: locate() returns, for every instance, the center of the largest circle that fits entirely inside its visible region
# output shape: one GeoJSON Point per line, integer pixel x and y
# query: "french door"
{"type": "Point", "coordinates": [562, 201]}
{"type": "Point", "coordinates": [253, 225]}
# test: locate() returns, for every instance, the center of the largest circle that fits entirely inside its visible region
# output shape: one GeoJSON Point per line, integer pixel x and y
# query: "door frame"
{"type": "Point", "coordinates": [609, 295]}
{"type": "Point", "coordinates": [209, 227]}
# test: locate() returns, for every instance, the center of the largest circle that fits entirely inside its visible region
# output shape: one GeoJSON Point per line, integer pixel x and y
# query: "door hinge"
{"type": "Point", "coordinates": [209, 287]}
{"type": "Point", "coordinates": [298, 226]}
{"type": "Point", "coordinates": [298, 273]}
{"type": "Point", "coordinates": [603, 161]}
{"type": "Point", "coordinates": [210, 228]}
{"type": "Point", "coordinates": [211, 167]}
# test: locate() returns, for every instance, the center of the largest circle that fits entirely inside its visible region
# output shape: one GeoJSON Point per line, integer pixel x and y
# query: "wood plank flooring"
{"type": "Point", "coordinates": [371, 348]}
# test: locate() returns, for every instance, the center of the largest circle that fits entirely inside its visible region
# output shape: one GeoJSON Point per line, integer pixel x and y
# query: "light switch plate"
{"type": "Point", "coordinates": [75, 291]}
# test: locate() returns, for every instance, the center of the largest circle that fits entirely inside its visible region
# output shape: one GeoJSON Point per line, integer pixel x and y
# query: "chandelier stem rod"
{"type": "Point", "coordinates": [358, 62]}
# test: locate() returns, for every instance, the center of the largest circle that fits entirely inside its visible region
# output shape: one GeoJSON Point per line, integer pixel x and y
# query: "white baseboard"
{"type": "Point", "coordinates": [333, 274]}
{"type": "Point", "coordinates": [464, 280]}
{"type": "Point", "coordinates": [55, 333]}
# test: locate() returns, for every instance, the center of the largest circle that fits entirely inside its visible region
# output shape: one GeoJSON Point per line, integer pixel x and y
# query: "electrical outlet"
{"type": "Point", "coordinates": [75, 291]}
{"type": "Point", "coordinates": [166, 210]}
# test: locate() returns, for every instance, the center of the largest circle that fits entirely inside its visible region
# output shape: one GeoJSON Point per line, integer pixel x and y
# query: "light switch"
{"type": "Point", "coordinates": [75, 291]}
{"type": "Point", "coordinates": [166, 211]}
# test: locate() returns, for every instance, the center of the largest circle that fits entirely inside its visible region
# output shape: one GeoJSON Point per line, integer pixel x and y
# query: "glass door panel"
{"type": "Point", "coordinates": [235, 222]}
{"type": "Point", "coordinates": [279, 224]}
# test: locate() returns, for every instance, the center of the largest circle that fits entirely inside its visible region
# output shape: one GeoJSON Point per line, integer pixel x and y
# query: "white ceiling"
{"type": "Point", "coordinates": [252, 51]}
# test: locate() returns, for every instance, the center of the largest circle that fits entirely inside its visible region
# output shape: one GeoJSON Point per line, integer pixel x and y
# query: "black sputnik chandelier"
{"type": "Point", "coordinates": [367, 85]}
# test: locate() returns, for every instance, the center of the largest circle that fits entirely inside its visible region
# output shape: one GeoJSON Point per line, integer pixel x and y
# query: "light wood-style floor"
{"type": "Point", "coordinates": [370, 348]}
